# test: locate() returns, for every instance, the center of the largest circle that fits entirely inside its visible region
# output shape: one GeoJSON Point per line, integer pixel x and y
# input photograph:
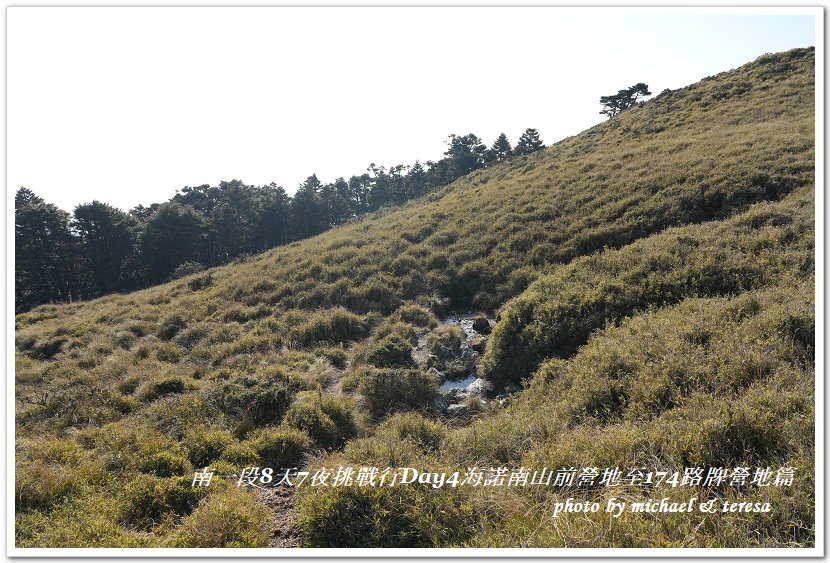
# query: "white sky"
{"type": "Point", "coordinates": [126, 105]}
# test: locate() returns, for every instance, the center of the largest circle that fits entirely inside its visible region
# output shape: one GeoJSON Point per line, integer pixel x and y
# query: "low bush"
{"type": "Point", "coordinates": [417, 315]}
{"type": "Point", "coordinates": [171, 326]}
{"type": "Point", "coordinates": [427, 435]}
{"type": "Point", "coordinates": [186, 269]}
{"type": "Point", "coordinates": [390, 390]}
{"type": "Point", "coordinates": [123, 339]}
{"type": "Point", "coordinates": [279, 447]}
{"type": "Point", "coordinates": [164, 464]}
{"type": "Point", "coordinates": [558, 312]}
{"type": "Point", "coordinates": [39, 485]}
{"type": "Point", "coordinates": [253, 401]}
{"type": "Point", "coordinates": [45, 349]}
{"type": "Point", "coordinates": [205, 444]}
{"type": "Point", "coordinates": [228, 518]}
{"type": "Point", "coordinates": [402, 516]}
{"type": "Point", "coordinates": [330, 326]}
{"type": "Point", "coordinates": [390, 351]}
{"type": "Point", "coordinates": [149, 499]}
{"type": "Point", "coordinates": [337, 357]}
{"type": "Point", "coordinates": [328, 419]}
{"type": "Point", "coordinates": [168, 352]}
{"type": "Point", "coordinates": [167, 386]}
{"type": "Point", "coordinates": [449, 336]}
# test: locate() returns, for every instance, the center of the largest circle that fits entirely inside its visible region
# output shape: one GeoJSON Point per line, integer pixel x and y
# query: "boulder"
{"type": "Point", "coordinates": [478, 388]}
{"type": "Point", "coordinates": [439, 403]}
{"type": "Point", "coordinates": [457, 410]}
{"type": "Point", "coordinates": [478, 344]}
{"type": "Point", "coordinates": [444, 353]}
{"type": "Point", "coordinates": [468, 354]}
{"type": "Point", "coordinates": [481, 325]}
{"type": "Point", "coordinates": [455, 395]}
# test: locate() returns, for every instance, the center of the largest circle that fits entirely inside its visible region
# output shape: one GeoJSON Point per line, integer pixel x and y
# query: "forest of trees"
{"type": "Point", "coordinates": [99, 249]}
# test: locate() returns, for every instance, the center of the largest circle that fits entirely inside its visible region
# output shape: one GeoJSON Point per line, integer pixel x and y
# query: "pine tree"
{"type": "Point", "coordinates": [501, 149]}
{"type": "Point", "coordinates": [107, 237]}
{"type": "Point", "coordinates": [624, 99]}
{"type": "Point", "coordinates": [416, 181]}
{"type": "Point", "coordinates": [44, 252]}
{"type": "Point", "coordinates": [174, 234]}
{"type": "Point", "coordinates": [529, 142]}
{"type": "Point", "coordinates": [307, 215]}
{"type": "Point", "coordinates": [274, 213]}
{"type": "Point", "coordinates": [465, 154]}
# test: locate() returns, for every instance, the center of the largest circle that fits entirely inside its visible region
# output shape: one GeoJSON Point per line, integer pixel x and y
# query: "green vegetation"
{"type": "Point", "coordinates": [653, 283]}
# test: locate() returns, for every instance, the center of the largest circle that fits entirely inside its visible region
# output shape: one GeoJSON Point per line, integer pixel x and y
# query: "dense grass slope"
{"type": "Point", "coordinates": [654, 282]}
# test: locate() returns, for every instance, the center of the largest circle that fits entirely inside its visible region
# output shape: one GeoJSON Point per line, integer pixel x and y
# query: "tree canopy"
{"type": "Point", "coordinates": [624, 99]}
{"type": "Point", "coordinates": [529, 142]}
{"type": "Point", "coordinates": [99, 249]}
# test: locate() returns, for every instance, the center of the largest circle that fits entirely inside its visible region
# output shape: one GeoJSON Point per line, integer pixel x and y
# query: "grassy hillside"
{"type": "Point", "coordinates": [653, 281]}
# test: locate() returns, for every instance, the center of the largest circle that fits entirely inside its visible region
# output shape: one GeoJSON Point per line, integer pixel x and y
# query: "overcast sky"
{"type": "Point", "coordinates": [126, 105]}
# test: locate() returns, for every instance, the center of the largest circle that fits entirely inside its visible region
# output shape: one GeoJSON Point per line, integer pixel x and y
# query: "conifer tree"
{"type": "Point", "coordinates": [106, 238]}
{"type": "Point", "coordinates": [306, 210]}
{"type": "Point", "coordinates": [624, 99]}
{"type": "Point", "coordinates": [529, 142]}
{"type": "Point", "coordinates": [44, 252]}
{"type": "Point", "coordinates": [500, 150]}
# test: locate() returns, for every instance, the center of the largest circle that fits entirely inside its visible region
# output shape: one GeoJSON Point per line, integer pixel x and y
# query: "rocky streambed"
{"type": "Point", "coordinates": [453, 352]}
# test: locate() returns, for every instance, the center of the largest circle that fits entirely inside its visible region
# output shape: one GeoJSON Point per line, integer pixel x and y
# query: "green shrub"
{"type": "Point", "coordinates": [401, 516]}
{"type": "Point", "coordinates": [449, 336]}
{"type": "Point", "coordinates": [171, 326]}
{"type": "Point", "coordinates": [556, 314]}
{"type": "Point", "coordinates": [255, 401]}
{"type": "Point", "coordinates": [330, 326]}
{"type": "Point", "coordinates": [168, 352]}
{"type": "Point", "coordinates": [204, 445]}
{"type": "Point", "coordinates": [417, 315]}
{"type": "Point", "coordinates": [375, 294]}
{"type": "Point", "coordinates": [481, 325]}
{"type": "Point", "coordinates": [123, 339]}
{"type": "Point", "coordinates": [229, 518]}
{"type": "Point", "coordinates": [390, 390]}
{"type": "Point", "coordinates": [192, 335]}
{"type": "Point", "coordinates": [250, 344]}
{"type": "Point", "coordinates": [405, 330]}
{"type": "Point", "coordinates": [148, 499]}
{"type": "Point", "coordinates": [46, 349]}
{"type": "Point", "coordinates": [337, 356]}
{"type": "Point", "coordinates": [38, 485]}
{"type": "Point", "coordinates": [390, 351]}
{"type": "Point", "coordinates": [186, 269]}
{"type": "Point", "coordinates": [329, 420]}
{"type": "Point", "coordinates": [164, 464]}
{"type": "Point", "coordinates": [241, 454]}
{"type": "Point", "coordinates": [279, 447]}
{"type": "Point", "coordinates": [200, 282]}
{"type": "Point", "coordinates": [427, 435]}
{"type": "Point", "coordinates": [166, 386]}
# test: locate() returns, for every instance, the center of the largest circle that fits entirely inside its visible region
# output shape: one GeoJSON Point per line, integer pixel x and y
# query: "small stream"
{"type": "Point", "coordinates": [457, 384]}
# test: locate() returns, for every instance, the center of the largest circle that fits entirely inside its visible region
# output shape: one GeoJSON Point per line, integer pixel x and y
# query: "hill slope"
{"type": "Point", "coordinates": [687, 221]}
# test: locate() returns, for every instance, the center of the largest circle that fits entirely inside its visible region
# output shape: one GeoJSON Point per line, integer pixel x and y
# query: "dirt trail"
{"type": "Point", "coordinates": [283, 521]}
{"type": "Point", "coordinates": [284, 531]}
